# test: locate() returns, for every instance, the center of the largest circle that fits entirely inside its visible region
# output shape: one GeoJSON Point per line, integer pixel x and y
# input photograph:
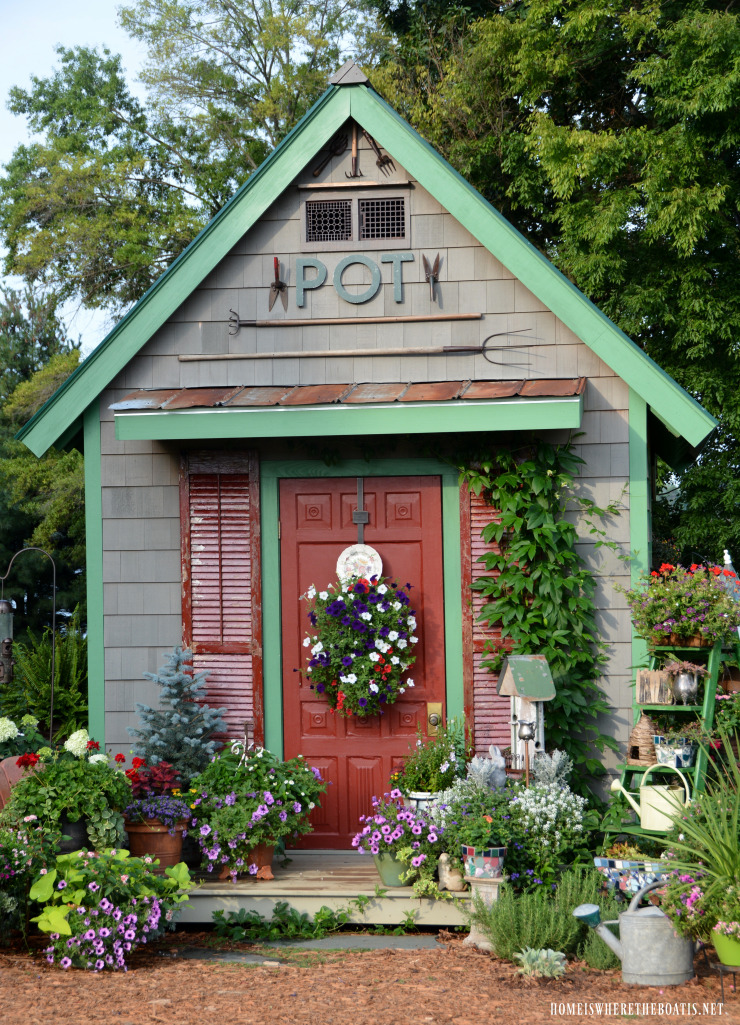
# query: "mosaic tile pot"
{"type": "Point", "coordinates": [630, 876]}
{"type": "Point", "coordinates": [680, 754]}
{"type": "Point", "coordinates": [483, 862]}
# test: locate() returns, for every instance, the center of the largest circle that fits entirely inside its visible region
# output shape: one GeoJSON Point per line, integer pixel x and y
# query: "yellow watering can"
{"type": "Point", "coordinates": [659, 803]}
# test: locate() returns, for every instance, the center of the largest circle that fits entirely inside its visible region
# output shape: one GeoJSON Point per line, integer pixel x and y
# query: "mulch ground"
{"type": "Point", "coordinates": [449, 985]}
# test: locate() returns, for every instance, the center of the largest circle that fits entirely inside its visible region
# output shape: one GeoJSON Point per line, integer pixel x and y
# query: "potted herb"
{"type": "Point", "coordinates": [75, 789]}
{"type": "Point", "coordinates": [157, 816]}
{"type": "Point", "coordinates": [680, 606]}
{"type": "Point", "coordinates": [361, 644]}
{"type": "Point", "coordinates": [246, 802]}
{"type": "Point", "coordinates": [432, 765]}
{"type": "Point", "coordinates": [404, 844]}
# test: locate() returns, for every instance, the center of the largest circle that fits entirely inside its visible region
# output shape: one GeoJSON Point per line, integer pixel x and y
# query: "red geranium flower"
{"type": "Point", "coordinates": [716, 570]}
{"type": "Point", "coordinates": [27, 760]}
{"type": "Point", "coordinates": [138, 763]}
{"type": "Point", "coordinates": [120, 759]}
{"type": "Point", "coordinates": [93, 745]}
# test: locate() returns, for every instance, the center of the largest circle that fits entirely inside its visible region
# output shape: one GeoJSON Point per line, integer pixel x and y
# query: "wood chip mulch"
{"type": "Point", "coordinates": [449, 985]}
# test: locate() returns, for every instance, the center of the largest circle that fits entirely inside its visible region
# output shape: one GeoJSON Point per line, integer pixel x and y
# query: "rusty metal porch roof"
{"type": "Point", "coordinates": [245, 396]}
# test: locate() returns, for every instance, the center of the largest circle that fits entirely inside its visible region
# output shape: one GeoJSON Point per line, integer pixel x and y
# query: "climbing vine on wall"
{"type": "Point", "coordinates": [539, 592]}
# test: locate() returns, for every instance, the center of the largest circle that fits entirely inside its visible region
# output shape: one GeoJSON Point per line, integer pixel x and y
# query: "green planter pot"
{"type": "Point", "coordinates": [727, 947]}
{"type": "Point", "coordinates": [389, 869]}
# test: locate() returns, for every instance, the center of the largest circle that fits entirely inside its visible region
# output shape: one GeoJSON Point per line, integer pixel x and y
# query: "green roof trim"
{"type": "Point", "coordinates": [684, 417]}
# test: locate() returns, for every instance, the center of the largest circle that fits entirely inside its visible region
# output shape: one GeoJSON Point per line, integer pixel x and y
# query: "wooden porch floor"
{"type": "Point", "coordinates": [313, 879]}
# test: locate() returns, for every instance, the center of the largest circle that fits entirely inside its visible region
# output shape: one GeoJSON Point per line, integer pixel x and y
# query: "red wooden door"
{"type": "Point", "coordinates": [405, 527]}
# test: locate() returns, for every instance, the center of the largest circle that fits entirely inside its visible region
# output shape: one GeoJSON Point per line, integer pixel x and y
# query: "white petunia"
{"type": "Point", "coordinates": [401, 644]}
{"type": "Point", "coordinates": [414, 640]}
{"type": "Point", "coordinates": [411, 620]}
{"type": "Point", "coordinates": [323, 595]}
{"type": "Point", "coordinates": [382, 646]}
{"type": "Point", "coordinates": [318, 646]}
{"type": "Point", "coordinates": [409, 683]}
{"type": "Point", "coordinates": [373, 687]}
{"type": "Point", "coordinates": [351, 678]}
{"type": "Point", "coordinates": [395, 660]}
{"type": "Point", "coordinates": [373, 656]}
{"type": "Point", "coordinates": [306, 641]}
{"type": "Point", "coordinates": [382, 589]}
{"type": "Point", "coordinates": [311, 592]}
{"type": "Point", "coordinates": [366, 616]}
{"type": "Point", "coordinates": [393, 635]}
{"type": "Point", "coordinates": [397, 606]}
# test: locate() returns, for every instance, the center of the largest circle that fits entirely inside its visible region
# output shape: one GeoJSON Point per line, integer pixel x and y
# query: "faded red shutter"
{"type": "Point", "coordinates": [222, 621]}
{"type": "Point", "coordinates": [489, 712]}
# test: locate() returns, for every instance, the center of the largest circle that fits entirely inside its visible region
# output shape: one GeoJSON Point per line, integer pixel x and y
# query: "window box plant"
{"type": "Point", "coordinates": [680, 606]}
{"type": "Point", "coordinates": [245, 800]}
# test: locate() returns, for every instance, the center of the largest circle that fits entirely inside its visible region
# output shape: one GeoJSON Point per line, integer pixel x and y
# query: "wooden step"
{"type": "Point", "coordinates": [314, 879]}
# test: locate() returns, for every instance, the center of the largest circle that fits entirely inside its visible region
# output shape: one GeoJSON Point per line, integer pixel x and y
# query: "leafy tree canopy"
{"type": "Point", "coordinates": [609, 135]}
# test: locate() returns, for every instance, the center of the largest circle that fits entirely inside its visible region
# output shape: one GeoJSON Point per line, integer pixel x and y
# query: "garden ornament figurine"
{"type": "Point", "coordinates": [651, 952]}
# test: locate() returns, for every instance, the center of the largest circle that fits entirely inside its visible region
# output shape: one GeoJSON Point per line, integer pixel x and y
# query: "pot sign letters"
{"type": "Point", "coordinates": [311, 273]}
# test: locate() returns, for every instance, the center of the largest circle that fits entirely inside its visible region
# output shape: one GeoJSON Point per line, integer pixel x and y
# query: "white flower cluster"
{"type": "Point", "coordinates": [550, 811]}
{"type": "Point", "coordinates": [8, 729]}
{"type": "Point", "coordinates": [77, 743]}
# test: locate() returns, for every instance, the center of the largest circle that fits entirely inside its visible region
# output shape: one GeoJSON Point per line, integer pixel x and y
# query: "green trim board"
{"type": "Point", "coordinates": [271, 472]}
{"type": "Point", "coordinates": [675, 406]}
{"type": "Point", "coordinates": [639, 484]}
{"type": "Point", "coordinates": [94, 569]}
{"type": "Point", "coordinates": [338, 419]}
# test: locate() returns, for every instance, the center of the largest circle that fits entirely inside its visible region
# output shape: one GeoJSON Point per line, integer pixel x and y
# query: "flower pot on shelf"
{"type": "Point", "coordinates": [152, 838]}
{"type": "Point", "coordinates": [680, 754]}
{"type": "Point", "coordinates": [727, 947]}
{"type": "Point", "coordinates": [390, 869]}
{"type": "Point", "coordinates": [483, 862]}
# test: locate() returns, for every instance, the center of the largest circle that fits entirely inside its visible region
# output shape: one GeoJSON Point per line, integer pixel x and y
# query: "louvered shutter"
{"type": "Point", "coordinates": [221, 582]}
{"type": "Point", "coordinates": [489, 712]}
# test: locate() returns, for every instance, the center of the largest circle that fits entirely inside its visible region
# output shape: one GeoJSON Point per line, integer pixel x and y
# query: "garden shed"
{"type": "Point", "coordinates": [298, 381]}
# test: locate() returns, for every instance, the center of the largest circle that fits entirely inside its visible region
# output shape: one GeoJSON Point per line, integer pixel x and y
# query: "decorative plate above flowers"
{"type": "Point", "coordinates": [363, 644]}
{"type": "Point", "coordinates": [359, 561]}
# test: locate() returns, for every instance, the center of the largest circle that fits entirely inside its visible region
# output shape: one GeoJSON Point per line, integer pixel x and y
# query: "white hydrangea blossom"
{"type": "Point", "coordinates": [98, 757]}
{"type": "Point", "coordinates": [77, 743]}
{"type": "Point", "coordinates": [8, 729]}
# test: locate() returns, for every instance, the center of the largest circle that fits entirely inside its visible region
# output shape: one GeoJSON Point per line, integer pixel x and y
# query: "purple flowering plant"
{"type": "Point", "coordinates": [248, 798]}
{"type": "Point", "coordinates": [361, 644]}
{"type": "Point", "coordinates": [686, 602]}
{"type": "Point", "coordinates": [171, 811]}
{"type": "Point", "coordinates": [26, 847]}
{"type": "Point", "coordinates": [411, 837]}
{"type": "Point", "coordinates": [97, 907]}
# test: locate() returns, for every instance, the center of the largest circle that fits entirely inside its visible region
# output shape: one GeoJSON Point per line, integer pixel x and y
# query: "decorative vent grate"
{"type": "Point", "coordinates": [382, 218]}
{"type": "Point", "coordinates": [329, 220]}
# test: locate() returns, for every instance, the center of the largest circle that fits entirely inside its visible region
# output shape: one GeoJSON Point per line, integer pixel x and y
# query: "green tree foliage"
{"type": "Point", "coordinates": [609, 135]}
{"type": "Point", "coordinates": [41, 500]}
{"type": "Point", "coordinates": [116, 188]}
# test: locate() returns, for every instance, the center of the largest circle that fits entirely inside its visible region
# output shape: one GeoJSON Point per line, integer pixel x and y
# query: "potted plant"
{"type": "Point", "coordinates": [727, 719]}
{"type": "Point", "coordinates": [432, 765]}
{"type": "Point", "coordinates": [684, 607]}
{"type": "Point", "coordinates": [477, 826]}
{"type": "Point", "coordinates": [246, 802]}
{"type": "Point", "coordinates": [404, 844]}
{"type": "Point", "coordinates": [685, 677]}
{"type": "Point", "coordinates": [157, 816]}
{"type": "Point", "coordinates": [627, 867]}
{"type": "Point", "coordinates": [676, 743]}
{"type": "Point", "coordinates": [361, 644]}
{"type": "Point", "coordinates": [75, 789]}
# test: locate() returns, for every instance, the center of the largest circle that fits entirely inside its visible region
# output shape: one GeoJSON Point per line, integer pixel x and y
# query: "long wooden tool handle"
{"type": "Point", "coordinates": [448, 350]}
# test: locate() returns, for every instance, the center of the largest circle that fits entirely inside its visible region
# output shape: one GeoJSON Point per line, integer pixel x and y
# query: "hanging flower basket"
{"type": "Point", "coordinates": [362, 644]}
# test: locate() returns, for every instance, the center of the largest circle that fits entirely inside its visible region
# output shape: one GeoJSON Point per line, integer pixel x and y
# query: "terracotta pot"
{"type": "Point", "coordinates": [695, 641]}
{"type": "Point", "coordinates": [10, 773]}
{"type": "Point", "coordinates": [151, 838]}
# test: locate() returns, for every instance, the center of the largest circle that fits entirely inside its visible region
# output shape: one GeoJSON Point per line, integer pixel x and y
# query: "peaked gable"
{"type": "Point", "coordinates": [681, 416]}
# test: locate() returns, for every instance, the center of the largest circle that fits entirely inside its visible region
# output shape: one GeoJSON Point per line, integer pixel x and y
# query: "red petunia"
{"type": "Point", "coordinates": [120, 759]}
{"type": "Point", "coordinates": [93, 745]}
{"type": "Point", "coordinates": [666, 567]}
{"type": "Point", "coordinates": [138, 763]}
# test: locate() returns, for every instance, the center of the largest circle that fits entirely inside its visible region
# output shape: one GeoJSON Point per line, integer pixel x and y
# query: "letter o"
{"type": "Point", "coordinates": [369, 292]}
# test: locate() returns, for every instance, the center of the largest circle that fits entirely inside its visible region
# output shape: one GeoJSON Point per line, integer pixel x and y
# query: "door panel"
{"type": "Point", "coordinates": [405, 526]}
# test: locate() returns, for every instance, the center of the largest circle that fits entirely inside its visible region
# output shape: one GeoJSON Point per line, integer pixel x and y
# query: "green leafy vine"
{"type": "Point", "coordinates": [540, 593]}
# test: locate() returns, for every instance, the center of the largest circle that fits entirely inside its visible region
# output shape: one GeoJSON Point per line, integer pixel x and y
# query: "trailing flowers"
{"type": "Point", "coordinates": [362, 644]}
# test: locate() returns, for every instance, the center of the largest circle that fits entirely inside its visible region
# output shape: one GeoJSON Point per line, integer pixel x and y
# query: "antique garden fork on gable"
{"type": "Point", "coordinates": [384, 162]}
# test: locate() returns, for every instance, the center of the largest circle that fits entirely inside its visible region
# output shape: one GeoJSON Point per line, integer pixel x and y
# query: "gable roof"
{"type": "Point", "coordinates": [681, 416]}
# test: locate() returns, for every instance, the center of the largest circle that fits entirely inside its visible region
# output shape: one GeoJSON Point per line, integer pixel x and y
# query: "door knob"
{"type": "Point", "coordinates": [434, 717]}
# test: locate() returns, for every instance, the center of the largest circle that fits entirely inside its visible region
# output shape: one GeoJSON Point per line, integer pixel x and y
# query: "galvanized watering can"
{"type": "Point", "coordinates": [651, 952]}
{"type": "Point", "coordinates": [658, 802]}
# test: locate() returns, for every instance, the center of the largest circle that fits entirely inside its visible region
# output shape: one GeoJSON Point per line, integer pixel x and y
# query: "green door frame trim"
{"type": "Point", "coordinates": [94, 570]}
{"type": "Point", "coordinates": [639, 469]}
{"type": "Point", "coordinates": [338, 419]}
{"type": "Point", "coordinates": [271, 472]}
